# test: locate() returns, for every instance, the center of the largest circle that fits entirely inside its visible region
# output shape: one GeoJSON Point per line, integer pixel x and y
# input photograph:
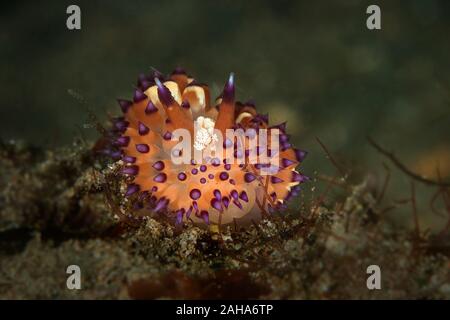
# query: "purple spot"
{"type": "Point", "coordinates": [121, 125]}
{"type": "Point", "coordinates": [275, 179]}
{"type": "Point", "coordinates": [158, 165]}
{"type": "Point", "coordinates": [179, 215]}
{"type": "Point", "coordinates": [116, 155]}
{"type": "Point", "coordinates": [202, 168]}
{"type": "Point", "coordinates": [154, 188]}
{"type": "Point", "coordinates": [142, 148]}
{"type": "Point", "coordinates": [237, 204]}
{"type": "Point", "coordinates": [131, 189]}
{"type": "Point", "coordinates": [150, 108]}
{"type": "Point", "coordinates": [234, 194]}
{"type": "Point", "coordinates": [188, 213]}
{"type": "Point", "coordinates": [211, 176]}
{"type": "Point", "coordinates": [249, 177]}
{"type": "Point", "coordinates": [131, 170]}
{"type": "Point", "coordinates": [297, 177]}
{"type": "Point", "coordinates": [284, 138]}
{"type": "Point", "coordinates": [216, 204]}
{"type": "Point", "coordinates": [217, 194]}
{"type": "Point", "coordinates": [285, 146]}
{"type": "Point", "coordinates": [161, 204]}
{"type": "Point", "coordinates": [202, 180]}
{"type": "Point", "coordinates": [286, 162]}
{"type": "Point", "coordinates": [129, 159]}
{"type": "Point", "coordinates": [195, 205]}
{"type": "Point", "coordinates": [145, 84]}
{"type": "Point", "coordinates": [195, 194]}
{"type": "Point", "coordinates": [244, 196]}
{"type": "Point", "coordinates": [139, 96]}
{"type": "Point", "coordinates": [167, 135]}
{"type": "Point", "coordinates": [205, 216]}
{"type": "Point", "coordinates": [225, 201]}
{"type": "Point", "coordinates": [300, 154]}
{"type": "Point", "coordinates": [227, 167]}
{"type": "Point", "coordinates": [123, 141]}
{"type": "Point", "coordinates": [182, 176]}
{"type": "Point", "coordinates": [160, 177]}
{"type": "Point", "coordinates": [185, 105]}
{"type": "Point", "coordinates": [223, 175]}
{"type": "Point", "coordinates": [194, 171]}
{"type": "Point", "coordinates": [124, 104]}
{"type": "Point", "coordinates": [232, 182]}
{"type": "Point", "coordinates": [143, 129]}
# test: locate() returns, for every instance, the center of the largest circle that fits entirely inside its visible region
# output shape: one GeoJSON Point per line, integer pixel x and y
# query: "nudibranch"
{"type": "Point", "coordinates": [210, 189]}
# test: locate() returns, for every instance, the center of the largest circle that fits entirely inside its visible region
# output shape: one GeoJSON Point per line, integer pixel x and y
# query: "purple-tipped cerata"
{"type": "Point", "coordinates": [131, 170]}
{"type": "Point", "coordinates": [124, 104]}
{"type": "Point", "coordinates": [168, 172]}
{"type": "Point", "coordinates": [216, 204]}
{"type": "Point", "coordinates": [139, 96]}
{"type": "Point", "coordinates": [143, 129]}
{"type": "Point", "coordinates": [164, 93]}
{"type": "Point", "coordinates": [131, 189]}
{"type": "Point", "coordinates": [150, 108]}
{"type": "Point", "coordinates": [228, 90]}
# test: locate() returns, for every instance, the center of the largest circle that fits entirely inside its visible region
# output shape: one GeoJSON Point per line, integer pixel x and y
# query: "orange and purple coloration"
{"type": "Point", "coordinates": [214, 192]}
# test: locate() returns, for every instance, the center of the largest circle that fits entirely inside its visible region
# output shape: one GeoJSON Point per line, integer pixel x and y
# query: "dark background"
{"type": "Point", "coordinates": [313, 63]}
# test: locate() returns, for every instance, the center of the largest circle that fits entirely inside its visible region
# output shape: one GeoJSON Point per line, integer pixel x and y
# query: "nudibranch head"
{"type": "Point", "coordinates": [189, 158]}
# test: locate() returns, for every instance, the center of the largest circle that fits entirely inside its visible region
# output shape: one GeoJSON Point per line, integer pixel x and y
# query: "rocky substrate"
{"type": "Point", "coordinates": [64, 207]}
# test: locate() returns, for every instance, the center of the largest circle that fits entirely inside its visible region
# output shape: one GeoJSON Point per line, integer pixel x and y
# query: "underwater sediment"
{"type": "Point", "coordinates": [63, 207]}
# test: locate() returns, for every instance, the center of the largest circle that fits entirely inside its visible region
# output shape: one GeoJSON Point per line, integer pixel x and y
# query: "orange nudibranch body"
{"type": "Point", "coordinates": [205, 190]}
